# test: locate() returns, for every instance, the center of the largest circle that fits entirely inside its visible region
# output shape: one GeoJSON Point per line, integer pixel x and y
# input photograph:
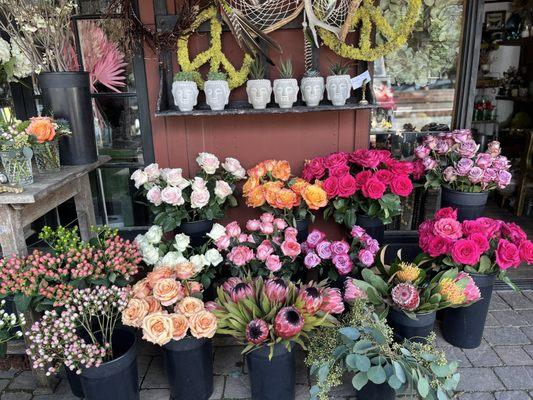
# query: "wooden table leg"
{"type": "Point", "coordinates": [84, 207]}
{"type": "Point", "coordinates": [11, 232]}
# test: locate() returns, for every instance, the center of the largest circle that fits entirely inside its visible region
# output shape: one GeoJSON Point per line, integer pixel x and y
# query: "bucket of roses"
{"type": "Point", "coordinates": [271, 187]}
{"type": "Point", "coordinates": [364, 187]}
{"type": "Point", "coordinates": [190, 205]}
{"type": "Point", "coordinates": [169, 310]}
{"type": "Point", "coordinates": [485, 248]}
{"type": "Point", "coordinates": [269, 317]}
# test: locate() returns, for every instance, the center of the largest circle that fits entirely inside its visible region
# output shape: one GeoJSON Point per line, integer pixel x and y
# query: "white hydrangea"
{"type": "Point", "coordinates": [217, 232]}
{"type": "Point", "coordinates": [23, 66]}
{"type": "Point", "coordinates": [5, 51]}
{"type": "Point", "coordinates": [213, 256]}
{"type": "Point", "coordinates": [182, 242]}
{"type": "Point", "coordinates": [154, 234]}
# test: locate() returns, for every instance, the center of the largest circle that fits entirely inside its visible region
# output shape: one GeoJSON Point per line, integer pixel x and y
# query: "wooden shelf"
{"type": "Point", "coordinates": [516, 42]}
{"type": "Point", "coordinates": [517, 99]}
{"type": "Point", "coordinates": [489, 121]}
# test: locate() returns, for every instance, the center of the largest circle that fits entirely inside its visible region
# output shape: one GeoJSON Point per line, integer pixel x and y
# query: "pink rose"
{"type": "Point", "coordinates": [401, 185]}
{"type": "Point", "coordinates": [446, 212]}
{"type": "Point", "coordinates": [366, 257]}
{"type": "Point", "coordinates": [291, 234]}
{"type": "Point", "coordinates": [273, 263]}
{"type": "Point", "coordinates": [448, 228]}
{"type": "Point", "coordinates": [357, 232]}
{"type": "Point", "coordinates": [513, 232]}
{"type": "Point", "coordinates": [424, 239]}
{"type": "Point", "coordinates": [139, 177]}
{"type": "Point", "coordinates": [465, 251]}
{"type": "Point", "coordinates": [463, 166]}
{"type": "Point", "coordinates": [314, 238]}
{"type": "Point", "coordinates": [280, 223]}
{"type": "Point", "coordinates": [154, 196]}
{"type": "Point", "coordinates": [343, 263]}
{"type": "Point", "coordinates": [223, 242]}
{"type": "Point", "coordinates": [266, 218]}
{"type": "Point", "coordinates": [494, 149]}
{"type": "Point", "coordinates": [438, 246]}
{"type": "Point", "coordinates": [199, 198]}
{"type": "Point", "coordinates": [264, 250]}
{"type": "Point", "coordinates": [339, 171]}
{"type": "Point", "coordinates": [234, 167]}
{"type": "Point", "coordinates": [152, 171]}
{"type": "Point", "coordinates": [483, 160]}
{"type": "Point", "coordinates": [314, 169]}
{"type": "Point", "coordinates": [323, 249]}
{"type": "Point", "coordinates": [501, 163]}
{"type": "Point", "coordinates": [267, 228]}
{"type": "Point", "coordinates": [335, 159]}
{"type": "Point", "coordinates": [481, 241]}
{"type": "Point", "coordinates": [467, 148]}
{"type": "Point", "coordinates": [449, 174]}
{"type": "Point", "coordinates": [331, 186]}
{"type": "Point", "coordinates": [503, 179]}
{"type": "Point", "coordinates": [253, 225]}
{"type": "Point", "coordinates": [384, 175]}
{"type": "Point", "coordinates": [442, 147]}
{"type": "Point", "coordinates": [526, 251]}
{"type": "Point", "coordinates": [400, 167]}
{"type": "Point", "coordinates": [222, 189]}
{"type": "Point", "coordinates": [290, 248]}
{"type": "Point", "coordinates": [507, 255]}
{"type": "Point", "coordinates": [373, 189]}
{"type": "Point", "coordinates": [370, 243]}
{"type": "Point", "coordinates": [429, 163]}
{"type": "Point", "coordinates": [475, 175]}
{"type": "Point", "coordinates": [422, 151]}
{"type": "Point", "coordinates": [240, 255]}
{"type": "Point", "coordinates": [243, 237]}
{"type": "Point", "coordinates": [233, 229]}
{"type": "Point", "coordinates": [208, 162]}
{"type": "Point", "coordinates": [362, 177]}
{"type": "Point", "coordinates": [366, 158]}
{"type": "Point", "coordinates": [347, 186]}
{"type": "Point", "coordinates": [312, 260]}
{"type": "Point", "coordinates": [172, 195]}
{"type": "Point", "coordinates": [340, 247]}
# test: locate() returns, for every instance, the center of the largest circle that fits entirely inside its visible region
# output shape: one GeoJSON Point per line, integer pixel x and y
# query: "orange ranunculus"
{"type": "Point", "coordinates": [203, 324]}
{"type": "Point", "coordinates": [256, 197]}
{"type": "Point", "coordinates": [282, 170]}
{"type": "Point", "coordinates": [286, 198]}
{"type": "Point", "coordinates": [42, 128]}
{"type": "Point", "coordinates": [315, 197]}
{"type": "Point", "coordinates": [250, 185]}
{"type": "Point", "coordinates": [269, 165]}
{"type": "Point", "coordinates": [180, 325]}
{"type": "Point", "coordinates": [258, 171]}
{"type": "Point", "coordinates": [270, 190]}
{"type": "Point", "coordinates": [298, 185]}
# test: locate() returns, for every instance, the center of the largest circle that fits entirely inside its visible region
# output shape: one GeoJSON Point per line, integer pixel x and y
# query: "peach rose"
{"type": "Point", "coordinates": [180, 325]}
{"type": "Point", "coordinates": [189, 306]}
{"type": "Point", "coordinates": [153, 304]}
{"type": "Point", "coordinates": [135, 312]}
{"type": "Point", "coordinates": [282, 170]}
{"type": "Point", "coordinates": [163, 272]}
{"type": "Point", "coordinates": [269, 165]}
{"type": "Point", "coordinates": [271, 191]}
{"type": "Point", "coordinates": [255, 198]}
{"type": "Point", "coordinates": [250, 185]}
{"type": "Point", "coordinates": [158, 328]}
{"type": "Point", "coordinates": [285, 198]}
{"type": "Point", "coordinates": [315, 197]}
{"type": "Point", "coordinates": [203, 325]}
{"type": "Point", "coordinates": [185, 270]}
{"type": "Point", "coordinates": [168, 291]}
{"type": "Point", "coordinates": [194, 287]}
{"type": "Point", "coordinates": [299, 185]}
{"type": "Point", "coordinates": [258, 171]}
{"type": "Point", "coordinates": [141, 289]}
{"type": "Point", "coordinates": [42, 128]}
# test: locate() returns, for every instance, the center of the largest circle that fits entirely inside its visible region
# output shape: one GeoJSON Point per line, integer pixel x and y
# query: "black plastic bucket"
{"type": "Point", "coordinates": [373, 226]}
{"type": "Point", "coordinates": [302, 225]}
{"type": "Point", "coordinates": [371, 391]}
{"type": "Point", "coordinates": [468, 205]}
{"type": "Point", "coordinates": [74, 381]}
{"type": "Point", "coordinates": [189, 364]}
{"type": "Point", "coordinates": [463, 327]}
{"type": "Point", "coordinates": [413, 329]}
{"type": "Point", "coordinates": [272, 379]}
{"type": "Point", "coordinates": [197, 231]}
{"type": "Point", "coordinates": [117, 379]}
{"type": "Point", "coordinates": [67, 95]}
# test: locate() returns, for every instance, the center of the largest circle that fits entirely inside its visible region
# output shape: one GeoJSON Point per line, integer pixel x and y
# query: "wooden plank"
{"type": "Point", "coordinates": [12, 231]}
{"type": "Point", "coordinates": [84, 207]}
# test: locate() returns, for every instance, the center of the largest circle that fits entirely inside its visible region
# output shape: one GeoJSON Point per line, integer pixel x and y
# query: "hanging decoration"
{"type": "Point", "coordinates": [213, 55]}
{"type": "Point", "coordinates": [370, 18]}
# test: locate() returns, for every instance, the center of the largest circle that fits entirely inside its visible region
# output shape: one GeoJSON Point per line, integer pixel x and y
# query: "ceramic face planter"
{"type": "Point", "coordinates": [338, 88]}
{"type": "Point", "coordinates": [285, 92]}
{"type": "Point", "coordinates": [185, 95]}
{"type": "Point", "coordinates": [312, 90]}
{"type": "Point", "coordinates": [216, 94]}
{"type": "Point", "coordinates": [259, 93]}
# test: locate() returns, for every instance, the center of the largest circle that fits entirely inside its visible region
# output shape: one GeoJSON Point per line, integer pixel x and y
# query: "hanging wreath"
{"type": "Point", "coordinates": [214, 55]}
{"type": "Point", "coordinates": [370, 16]}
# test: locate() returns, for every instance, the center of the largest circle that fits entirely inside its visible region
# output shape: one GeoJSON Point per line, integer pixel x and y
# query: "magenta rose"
{"type": "Point", "coordinates": [340, 247]}
{"type": "Point", "coordinates": [384, 175]}
{"type": "Point", "coordinates": [507, 255]}
{"type": "Point", "coordinates": [438, 246]}
{"type": "Point", "coordinates": [448, 228]}
{"type": "Point", "coordinates": [446, 212]}
{"type": "Point", "coordinates": [314, 238]}
{"type": "Point", "coordinates": [331, 186]}
{"type": "Point", "coordinates": [400, 167]}
{"type": "Point", "coordinates": [343, 263]}
{"type": "Point", "coordinates": [526, 251]}
{"type": "Point", "coordinates": [373, 189]}
{"type": "Point", "coordinates": [335, 160]}
{"type": "Point", "coordinates": [323, 249]}
{"type": "Point", "coordinates": [314, 169]}
{"type": "Point", "coordinates": [366, 257]}
{"type": "Point", "coordinates": [365, 158]}
{"type": "Point", "coordinates": [488, 226]}
{"type": "Point", "coordinates": [424, 239]}
{"type": "Point", "coordinates": [347, 186]}
{"type": "Point", "coordinates": [418, 169]}
{"type": "Point", "coordinates": [312, 260]}
{"type": "Point", "coordinates": [465, 251]}
{"type": "Point", "coordinates": [339, 171]}
{"type": "Point", "coordinates": [401, 185]}
{"type": "Point", "coordinates": [273, 263]}
{"type": "Point", "coordinates": [362, 177]}
{"type": "Point", "coordinates": [513, 232]}
{"type": "Point", "coordinates": [481, 241]}
{"type": "Point", "coordinates": [357, 232]}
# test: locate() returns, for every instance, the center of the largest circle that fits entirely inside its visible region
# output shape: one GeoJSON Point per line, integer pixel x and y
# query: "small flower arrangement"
{"type": "Point", "coordinates": [268, 246]}
{"type": "Point", "coordinates": [174, 199]}
{"type": "Point", "coordinates": [15, 152]}
{"type": "Point", "coordinates": [261, 312]}
{"type": "Point", "coordinates": [271, 186]}
{"type": "Point", "coordinates": [339, 258]}
{"type": "Point", "coordinates": [166, 306]}
{"type": "Point", "coordinates": [368, 182]}
{"type": "Point", "coordinates": [10, 327]}
{"type": "Point", "coordinates": [451, 159]}
{"type": "Point", "coordinates": [482, 246]}
{"type": "Point", "coordinates": [46, 132]}
{"type": "Point", "coordinates": [363, 347]}
{"type": "Point", "coordinates": [156, 251]}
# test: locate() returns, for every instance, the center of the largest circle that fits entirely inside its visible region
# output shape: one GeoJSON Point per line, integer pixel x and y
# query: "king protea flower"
{"type": "Point", "coordinates": [288, 323]}
{"type": "Point", "coordinates": [276, 290]}
{"type": "Point", "coordinates": [408, 272]}
{"type": "Point", "coordinates": [257, 331]}
{"type": "Point", "coordinates": [241, 291]}
{"type": "Point", "coordinates": [406, 296]}
{"type": "Point", "coordinates": [311, 297]}
{"type": "Point", "coordinates": [230, 284]}
{"type": "Point", "coordinates": [332, 301]}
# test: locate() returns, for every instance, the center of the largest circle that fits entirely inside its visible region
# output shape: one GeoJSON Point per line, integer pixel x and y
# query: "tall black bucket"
{"type": "Point", "coordinates": [468, 205]}
{"type": "Point", "coordinates": [373, 226]}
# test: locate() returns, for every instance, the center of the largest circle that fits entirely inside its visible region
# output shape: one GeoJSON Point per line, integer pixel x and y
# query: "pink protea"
{"type": "Point", "coordinates": [288, 323]}
{"type": "Point", "coordinates": [241, 291]}
{"type": "Point", "coordinates": [405, 296]}
{"type": "Point", "coordinates": [276, 290]}
{"type": "Point", "coordinates": [353, 292]}
{"type": "Point", "coordinates": [311, 297]}
{"type": "Point", "coordinates": [257, 331]}
{"type": "Point", "coordinates": [230, 284]}
{"type": "Point", "coordinates": [332, 301]}
{"type": "Point", "coordinates": [211, 306]}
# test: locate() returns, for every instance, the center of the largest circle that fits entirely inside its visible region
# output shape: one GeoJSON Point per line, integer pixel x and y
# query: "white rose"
{"type": "Point", "coordinates": [154, 195]}
{"type": "Point", "coordinates": [214, 257]}
{"type": "Point", "coordinates": [172, 258]}
{"type": "Point", "coordinates": [152, 171]}
{"type": "Point", "coordinates": [139, 177]}
{"type": "Point", "coordinates": [150, 254]}
{"type": "Point", "coordinates": [172, 195]}
{"type": "Point", "coordinates": [182, 242]}
{"type": "Point", "coordinates": [198, 262]}
{"type": "Point", "coordinates": [233, 166]}
{"type": "Point", "coordinates": [154, 234]}
{"type": "Point", "coordinates": [140, 240]}
{"type": "Point", "coordinates": [217, 231]}
{"type": "Point", "coordinates": [199, 198]}
{"type": "Point", "coordinates": [174, 177]}
{"type": "Point", "coordinates": [222, 189]}
{"type": "Point", "coordinates": [208, 162]}
{"type": "Point", "coordinates": [198, 183]}
{"type": "Point", "coordinates": [5, 51]}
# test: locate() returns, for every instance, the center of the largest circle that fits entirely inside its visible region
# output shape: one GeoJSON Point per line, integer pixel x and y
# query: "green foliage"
{"type": "Point", "coordinates": [285, 69]}
{"type": "Point", "coordinates": [217, 76]}
{"type": "Point", "coordinates": [257, 69]}
{"type": "Point", "coordinates": [312, 73]}
{"type": "Point", "coordinates": [339, 68]}
{"type": "Point", "coordinates": [186, 76]}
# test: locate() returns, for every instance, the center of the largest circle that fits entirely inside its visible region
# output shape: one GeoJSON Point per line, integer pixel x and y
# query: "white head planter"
{"type": "Point", "coordinates": [216, 94]}
{"type": "Point", "coordinates": [185, 95]}
{"type": "Point", "coordinates": [285, 92]}
{"type": "Point", "coordinates": [338, 88]}
{"type": "Point", "coordinates": [312, 90]}
{"type": "Point", "coordinates": [259, 93]}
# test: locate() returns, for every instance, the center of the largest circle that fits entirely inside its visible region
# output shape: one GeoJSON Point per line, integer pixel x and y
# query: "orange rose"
{"type": "Point", "coordinates": [269, 165]}
{"type": "Point", "coordinates": [158, 328]}
{"type": "Point", "coordinates": [141, 289]}
{"type": "Point", "coordinates": [185, 270]}
{"type": "Point", "coordinates": [168, 291]}
{"type": "Point", "coordinates": [298, 185]}
{"type": "Point", "coordinates": [271, 191]}
{"type": "Point", "coordinates": [180, 325]}
{"type": "Point", "coordinates": [135, 312]}
{"type": "Point", "coordinates": [250, 185]}
{"type": "Point", "coordinates": [282, 170]}
{"type": "Point", "coordinates": [256, 198]}
{"type": "Point", "coordinates": [315, 197]}
{"type": "Point", "coordinates": [286, 198]}
{"type": "Point", "coordinates": [189, 306]}
{"type": "Point", "coordinates": [153, 304]}
{"type": "Point", "coordinates": [160, 273]}
{"type": "Point", "coordinates": [42, 128]}
{"type": "Point", "coordinates": [203, 325]}
{"type": "Point", "coordinates": [258, 171]}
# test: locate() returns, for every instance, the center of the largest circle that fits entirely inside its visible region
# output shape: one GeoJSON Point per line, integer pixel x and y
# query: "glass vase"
{"type": "Point", "coordinates": [47, 156]}
{"type": "Point", "coordinates": [17, 166]}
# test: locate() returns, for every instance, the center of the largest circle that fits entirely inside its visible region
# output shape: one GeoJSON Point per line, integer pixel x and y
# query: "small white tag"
{"type": "Point", "coordinates": [359, 80]}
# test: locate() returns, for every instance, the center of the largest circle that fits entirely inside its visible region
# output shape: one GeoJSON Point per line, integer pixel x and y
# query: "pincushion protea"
{"type": "Point", "coordinates": [257, 331]}
{"type": "Point", "coordinates": [405, 296]}
{"type": "Point", "coordinates": [408, 272]}
{"type": "Point", "coordinates": [451, 291]}
{"type": "Point", "coordinates": [311, 297]}
{"type": "Point", "coordinates": [276, 290]}
{"type": "Point", "coordinates": [288, 323]}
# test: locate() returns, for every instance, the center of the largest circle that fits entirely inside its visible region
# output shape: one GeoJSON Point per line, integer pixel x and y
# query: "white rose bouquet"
{"type": "Point", "coordinates": [175, 199]}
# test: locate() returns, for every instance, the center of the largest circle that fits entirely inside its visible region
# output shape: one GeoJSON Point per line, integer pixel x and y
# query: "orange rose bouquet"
{"type": "Point", "coordinates": [271, 186]}
{"type": "Point", "coordinates": [46, 132]}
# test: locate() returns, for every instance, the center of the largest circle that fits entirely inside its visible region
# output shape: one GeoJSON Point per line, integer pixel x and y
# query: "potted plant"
{"type": "Point", "coordinates": [10, 327]}
{"type": "Point", "coordinates": [185, 90]}
{"type": "Point", "coordinates": [338, 84]}
{"type": "Point", "coordinates": [362, 347]}
{"type": "Point", "coordinates": [451, 161]}
{"type": "Point", "coordinates": [190, 205]}
{"type": "Point", "coordinates": [485, 248]}
{"type": "Point", "coordinates": [47, 133]}
{"type": "Point", "coordinates": [271, 186]}
{"type": "Point", "coordinates": [269, 317]}
{"type": "Point", "coordinates": [258, 88]}
{"type": "Point", "coordinates": [167, 306]}
{"type": "Point", "coordinates": [312, 86]}
{"type": "Point", "coordinates": [216, 90]}
{"type": "Point", "coordinates": [286, 87]}
{"type": "Point", "coordinates": [16, 153]}
{"type": "Point", "coordinates": [364, 187]}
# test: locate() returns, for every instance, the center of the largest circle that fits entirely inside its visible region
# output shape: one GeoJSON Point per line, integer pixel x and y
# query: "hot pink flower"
{"type": "Point", "coordinates": [446, 212]}
{"type": "Point", "coordinates": [276, 290]}
{"type": "Point", "coordinates": [362, 177]}
{"type": "Point", "coordinates": [340, 247]}
{"type": "Point", "coordinates": [448, 228]}
{"type": "Point", "coordinates": [314, 169]}
{"type": "Point", "coordinates": [400, 167]}
{"type": "Point", "coordinates": [331, 186]}
{"type": "Point", "coordinates": [347, 186]}
{"type": "Point", "coordinates": [332, 301]}
{"type": "Point", "coordinates": [257, 331]}
{"type": "Point", "coordinates": [401, 185]}
{"type": "Point", "coordinates": [366, 257]}
{"type": "Point", "coordinates": [335, 159]}
{"type": "Point", "coordinates": [339, 171]}
{"type": "Point", "coordinates": [353, 292]}
{"type": "Point", "coordinates": [507, 255]}
{"type": "Point", "coordinates": [366, 158]}
{"type": "Point", "coordinates": [526, 251]}
{"type": "Point", "coordinates": [373, 189]}
{"type": "Point", "coordinates": [481, 241]}
{"type": "Point", "coordinates": [323, 249]}
{"type": "Point", "coordinates": [513, 232]}
{"type": "Point", "coordinates": [465, 251]}
{"type": "Point", "coordinates": [438, 246]}
{"type": "Point", "coordinates": [240, 255]}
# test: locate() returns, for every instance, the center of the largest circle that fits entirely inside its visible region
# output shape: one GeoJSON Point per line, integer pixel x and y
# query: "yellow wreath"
{"type": "Point", "coordinates": [213, 54]}
{"type": "Point", "coordinates": [366, 14]}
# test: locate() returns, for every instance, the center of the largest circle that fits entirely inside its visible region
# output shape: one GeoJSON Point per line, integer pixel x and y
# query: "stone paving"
{"type": "Point", "coordinates": [501, 369]}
